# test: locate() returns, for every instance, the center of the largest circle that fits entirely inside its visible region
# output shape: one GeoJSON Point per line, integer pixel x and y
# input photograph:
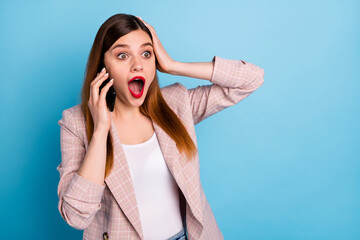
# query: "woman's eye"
{"type": "Point", "coordinates": [121, 54]}
{"type": "Point", "coordinates": [148, 54]}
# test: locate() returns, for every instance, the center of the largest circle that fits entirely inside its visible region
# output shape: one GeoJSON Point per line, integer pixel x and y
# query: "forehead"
{"type": "Point", "coordinates": [133, 39]}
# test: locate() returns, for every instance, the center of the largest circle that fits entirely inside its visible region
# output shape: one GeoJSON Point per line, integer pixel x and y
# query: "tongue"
{"type": "Point", "coordinates": [135, 86]}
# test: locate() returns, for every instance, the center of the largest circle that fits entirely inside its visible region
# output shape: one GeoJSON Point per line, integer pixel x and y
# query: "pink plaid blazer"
{"type": "Point", "coordinates": [110, 211]}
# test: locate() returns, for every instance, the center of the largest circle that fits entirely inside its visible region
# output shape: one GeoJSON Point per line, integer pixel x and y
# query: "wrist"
{"type": "Point", "coordinates": [99, 133]}
{"type": "Point", "coordinates": [174, 68]}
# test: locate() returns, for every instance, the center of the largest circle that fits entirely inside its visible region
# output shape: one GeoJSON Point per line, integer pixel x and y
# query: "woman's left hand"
{"type": "Point", "coordinates": [164, 61]}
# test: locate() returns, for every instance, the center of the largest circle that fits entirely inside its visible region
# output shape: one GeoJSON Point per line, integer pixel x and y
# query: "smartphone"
{"type": "Point", "coordinates": [110, 95]}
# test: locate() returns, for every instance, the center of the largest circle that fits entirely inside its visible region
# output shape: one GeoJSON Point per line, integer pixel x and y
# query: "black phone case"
{"type": "Point", "coordinates": [110, 95]}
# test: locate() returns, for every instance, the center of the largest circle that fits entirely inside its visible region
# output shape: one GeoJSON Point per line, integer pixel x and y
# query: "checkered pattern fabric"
{"type": "Point", "coordinates": [111, 210]}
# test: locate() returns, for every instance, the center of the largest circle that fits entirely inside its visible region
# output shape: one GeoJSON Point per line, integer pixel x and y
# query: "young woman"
{"type": "Point", "coordinates": [133, 173]}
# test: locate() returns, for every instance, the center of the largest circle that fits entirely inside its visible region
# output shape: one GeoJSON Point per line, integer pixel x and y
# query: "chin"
{"type": "Point", "coordinates": [137, 102]}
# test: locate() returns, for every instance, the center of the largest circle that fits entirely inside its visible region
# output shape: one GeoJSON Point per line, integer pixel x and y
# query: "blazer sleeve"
{"type": "Point", "coordinates": [232, 81]}
{"type": "Point", "coordinates": [79, 198]}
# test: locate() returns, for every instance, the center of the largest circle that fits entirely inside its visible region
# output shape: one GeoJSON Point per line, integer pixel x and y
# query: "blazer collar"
{"type": "Point", "coordinates": [185, 173]}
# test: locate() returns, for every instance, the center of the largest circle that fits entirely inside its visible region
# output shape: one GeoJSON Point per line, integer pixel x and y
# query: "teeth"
{"type": "Point", "coordinates": [138, 79]}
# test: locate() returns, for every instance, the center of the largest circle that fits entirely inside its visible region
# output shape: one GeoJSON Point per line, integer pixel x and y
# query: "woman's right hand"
{"type": "Point", "coordinates": [97, 103]}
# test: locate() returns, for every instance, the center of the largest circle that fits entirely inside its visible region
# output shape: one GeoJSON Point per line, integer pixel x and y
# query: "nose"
{"type": "Point", "coordinates": [137, 64]}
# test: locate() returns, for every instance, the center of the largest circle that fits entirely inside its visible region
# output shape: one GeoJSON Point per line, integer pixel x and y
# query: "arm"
{"type": "Point", "coordinates": [232, 81]}
{"type": "Point", "coordinates": [79, 197]}
{"type": "Point", "coordinates": [201, 70]}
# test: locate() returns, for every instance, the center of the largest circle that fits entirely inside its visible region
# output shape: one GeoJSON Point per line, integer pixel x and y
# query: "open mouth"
{"type": "Point", "coordinates": [136, 86]}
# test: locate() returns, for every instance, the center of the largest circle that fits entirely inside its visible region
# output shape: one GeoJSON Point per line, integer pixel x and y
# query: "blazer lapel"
{"type": "Point", "coordinates": [183, 171]}
{"type": "Point", "coordinates": [120, 183]}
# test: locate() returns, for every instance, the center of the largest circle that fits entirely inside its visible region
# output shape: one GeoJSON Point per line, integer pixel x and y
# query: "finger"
{"type": "Point", "coordinates": [151, 28]}
{"type": "Point", "coordinates": [105, 90]}
{"type": "Point", "coordinates": [144, 22]}
{"type": "Point", "coordinates": [102, 72]}
{"type": "Point", "coordinates": [96, 80]}
{"type": "Point", "coordinates": [100, 79]}
{"type": "Point", "coordinates": [98, 76]}
{"type": "Point", "coordinates": [96, 85]}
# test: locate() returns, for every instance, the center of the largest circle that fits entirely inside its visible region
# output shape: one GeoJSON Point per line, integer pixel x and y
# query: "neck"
{"type": "Point", "coordinates": [126, 113]}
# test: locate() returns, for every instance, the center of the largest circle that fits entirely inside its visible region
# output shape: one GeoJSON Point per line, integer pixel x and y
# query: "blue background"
{"type": "Point", "coordinates": [281, 164]}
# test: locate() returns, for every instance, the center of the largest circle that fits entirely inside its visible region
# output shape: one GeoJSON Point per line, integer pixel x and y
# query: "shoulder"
{"type": "Point", "coordinates": [176, 96]}
{"type": "Point", "coordinates": [173, 90]}
{"type": "Point", "coordinates": [73, 115]}
{"type": "Point", "coordinates": [75, 111]}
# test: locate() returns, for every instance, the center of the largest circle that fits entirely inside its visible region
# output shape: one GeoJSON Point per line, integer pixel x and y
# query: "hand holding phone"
{"type": "Point", "coordinates": [100, 102]}
{"type": "Point", "coordinates": [110, 96]}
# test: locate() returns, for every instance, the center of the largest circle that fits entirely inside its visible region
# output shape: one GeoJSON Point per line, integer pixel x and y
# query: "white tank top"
{"type": "Point", "coordinates": [157, 193]}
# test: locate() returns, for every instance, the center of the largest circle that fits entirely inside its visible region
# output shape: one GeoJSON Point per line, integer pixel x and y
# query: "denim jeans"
{"type": "Point", "coordinates": [179, 236]}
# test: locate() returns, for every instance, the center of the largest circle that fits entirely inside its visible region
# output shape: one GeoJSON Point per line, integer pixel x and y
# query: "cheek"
{"type": "Point", "coordinates": [152, 76]}
{"type": "Point", "coordinates": [149, 83]}
{"type": "Point", "coordinates": [120, 85]}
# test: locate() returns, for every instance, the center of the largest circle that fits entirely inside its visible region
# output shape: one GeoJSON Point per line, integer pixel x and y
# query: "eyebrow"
{"type": "Point", "coordinates": [126, 46]}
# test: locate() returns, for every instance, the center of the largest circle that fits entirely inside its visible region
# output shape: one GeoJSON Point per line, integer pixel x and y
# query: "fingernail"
{"type": "Point", "coordinates": [106, 74]}
{"type": "Point", "coordinates": [103, 69]}
{"type": "Point", "coordinates": [111, 80]}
